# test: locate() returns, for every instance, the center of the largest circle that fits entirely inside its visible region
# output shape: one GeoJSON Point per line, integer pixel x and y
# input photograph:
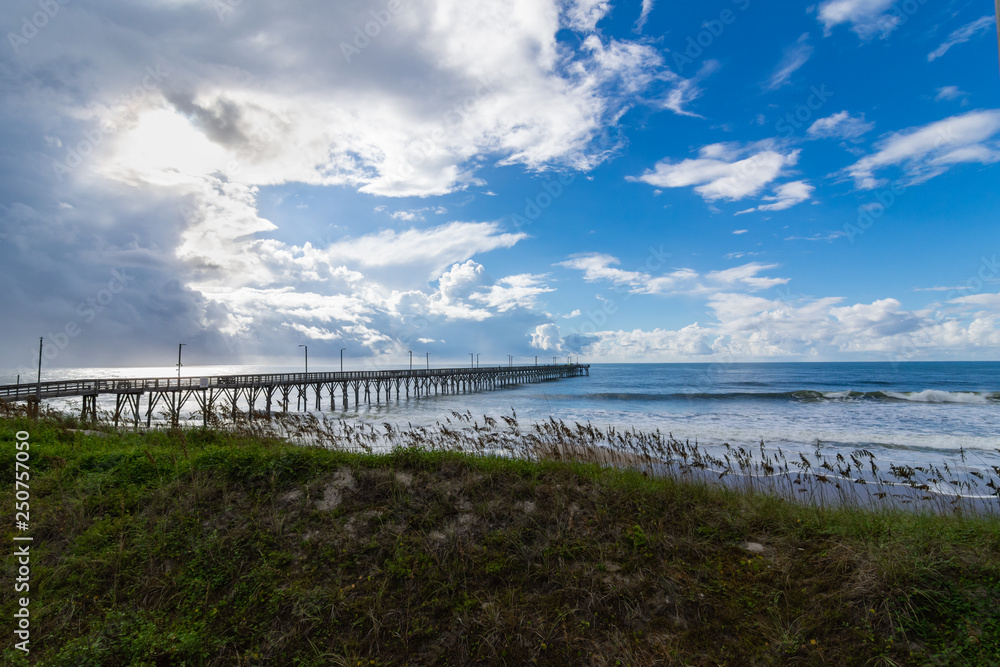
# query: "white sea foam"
{"type": "Point", "coordinates": [938, 396]}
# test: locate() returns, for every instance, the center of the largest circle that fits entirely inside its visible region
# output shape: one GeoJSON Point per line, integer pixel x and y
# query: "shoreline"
{"type": "Point", "coordinates": [822, 478]}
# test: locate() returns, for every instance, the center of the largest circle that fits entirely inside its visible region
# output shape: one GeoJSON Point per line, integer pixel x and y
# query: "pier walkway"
{"type": "Point", "coordinates": [276, 390]}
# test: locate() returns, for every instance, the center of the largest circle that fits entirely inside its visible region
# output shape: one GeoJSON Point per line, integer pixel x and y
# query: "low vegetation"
{"type": "Point", "coordinates": [230, 546]}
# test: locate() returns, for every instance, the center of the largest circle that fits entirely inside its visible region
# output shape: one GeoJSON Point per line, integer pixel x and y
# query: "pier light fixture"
{"type": "Point", "coordinates": [428, 361]}
{"type": "Point", "coordinates": [411, 359]}
{"type": "Point", "coordinates": [342, 359]}
{"type": "Point", "coordinates": [477, 360]}
{"type": "Point", "coordinates": [307, 358]}
{"type": "Point", "coordinates": [179, 347]}
{"type": "Point", "coordinates": [472, 360]}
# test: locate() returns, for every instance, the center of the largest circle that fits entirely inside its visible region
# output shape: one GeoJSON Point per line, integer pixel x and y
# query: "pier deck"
{"type": "Point", "coordinates": [276, 390]}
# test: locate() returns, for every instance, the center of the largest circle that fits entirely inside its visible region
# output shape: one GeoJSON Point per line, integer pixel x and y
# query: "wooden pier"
{"type": "Point", "coordinates": [277, 390]}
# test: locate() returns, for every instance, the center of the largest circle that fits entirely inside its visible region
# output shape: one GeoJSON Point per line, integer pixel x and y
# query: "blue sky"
{"type": "Point", "coordinates": [630, 181]}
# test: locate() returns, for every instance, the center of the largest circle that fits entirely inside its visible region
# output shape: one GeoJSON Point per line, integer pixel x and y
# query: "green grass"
{"type": "Point", "coordinates": [201, 547]}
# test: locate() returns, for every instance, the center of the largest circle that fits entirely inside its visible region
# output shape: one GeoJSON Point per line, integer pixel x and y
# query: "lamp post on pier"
{"type": "Point", "coordinates": [411, 359]}
{"type": "Point", "coordinates": [179, 346]}
{"type": "Point", "coordinates": [307, 358]}
{"type": "Point", "coordinates": [342, 359]}
{"type": "Point", "coordinates": [428, 361]}
{"type": "Point", "coordinates": [477, 360]}
{"type": "Point", "coordinates": [472, 360]}
{"type": "Point", "coordinates": [38, 388]}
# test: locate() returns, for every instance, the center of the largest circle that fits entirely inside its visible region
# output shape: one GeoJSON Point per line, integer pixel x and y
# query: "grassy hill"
{"type": "Point", "coordinates": [202, 547]}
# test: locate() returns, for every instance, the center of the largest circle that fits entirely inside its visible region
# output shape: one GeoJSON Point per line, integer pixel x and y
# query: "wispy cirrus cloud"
{"type": "Point", "coordinates": [793, 57]}
{"type": "Point", "coordinates": [841, 125]}
{"type": "Point", "coordinates": [647, 7]}
{"type": "Point", "coordinates": [602, 268]}
{"type": "Point", "coordinates": [962, 35]}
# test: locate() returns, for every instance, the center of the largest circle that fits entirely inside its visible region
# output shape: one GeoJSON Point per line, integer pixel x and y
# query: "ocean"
{"type": "Point", "coordinates": [909, 413]}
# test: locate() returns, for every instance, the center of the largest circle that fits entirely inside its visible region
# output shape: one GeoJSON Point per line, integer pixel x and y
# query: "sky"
{"type": "Point", "coordinates": [643, 181]}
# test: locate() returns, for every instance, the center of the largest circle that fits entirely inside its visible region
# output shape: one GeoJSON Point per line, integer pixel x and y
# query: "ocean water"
{"type": "Point", "coordinates": [912, 413]}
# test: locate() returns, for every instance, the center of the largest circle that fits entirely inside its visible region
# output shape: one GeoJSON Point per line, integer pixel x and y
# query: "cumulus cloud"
{"type": "Point", "coordinates": [929, 150]}
{"type": "Point", "coordinates": [546, 337]}
{"type": "Point", "coordinates": [785, 196]}
{"type": "Point", "coordinates": [962, 35]}
{"type": "Point", "coordinates": [517, 291]}
{"type": "Point", "coordinates": [841, 125]}
{"type": "Point", "coordinates": [748, 327]}
{"type": "Point", "coordinates": [868, 18]}
{"type": "Point", "coordinates": [725, 170]}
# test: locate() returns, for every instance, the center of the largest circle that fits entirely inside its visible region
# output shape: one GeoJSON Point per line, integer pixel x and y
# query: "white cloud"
{"type": "Point", "coordinates": [584, 15]}
{"type": "Point", "coordinates": [597, 267]}
{"type": "Point", "coordinates": [685, 91]}
{"type": "Point", "coordinates": [949, 93]}
{"type": "Point", "coordinates": [942, 289]}
{"type": "Point", "coordinates": [547, 337]}
{"type": "Point", "coordinates": [741, 231]}
{"type": "Point", "coordinates": [744, 276]}
{"type": "Point", "coordinates": [840, 125]}
{"type": "Point", "coordinates": [962, 35]}
{"type": "Point", "coordinates": [929, 150]}
{"type": "Point", "coordinates": [520, 291]}
{"type": "Point", "coordinates": [724, 170]}
{"type": "Point", "coordinates": [794, 57]}
{"type": "Point", "coordinates": [828, 236]}
{"type": "Point", "coordinates": [748, 327]}
{"type": "Point", "coordinates": [647, 7]}
{"type": "Point", "coordinates": [785, 196]}
{"type": "Point", "coordinates": [868, 18]}
{"type": "Point", "coordinates": [504, 87]}
{"type": "Point", "coordinates": [433, 248]}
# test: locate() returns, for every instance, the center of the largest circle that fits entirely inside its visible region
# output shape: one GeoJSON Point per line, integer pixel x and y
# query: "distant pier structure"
{"type": "Point", "coordinates": [135, 396]}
